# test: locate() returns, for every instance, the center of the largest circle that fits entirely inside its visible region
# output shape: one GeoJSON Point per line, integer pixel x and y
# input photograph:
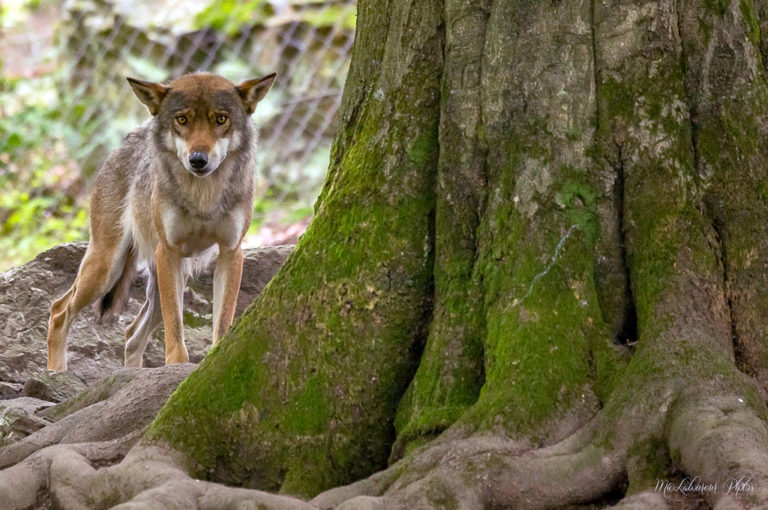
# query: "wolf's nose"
{"type": "Point", "coordinates": [198, 160]}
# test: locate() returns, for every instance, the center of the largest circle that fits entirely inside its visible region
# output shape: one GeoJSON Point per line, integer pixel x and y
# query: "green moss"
{"type": "Point", "coordinates": [671, 247]}
{"type": "Point", "coordinates": [574, 133]}
{"type": "Point", "coordinates": [580, 201]}
{"type": "Point", "coordinates": [195, 320]}
{"type": "Point", "coordinates": [643, 403]}
{"type": "Point", "coordinates": [750, 17]}
{"type": "Point", "coordinates": [718, 6]}
{"type": "Point", "coordinates": [412, 440]}
{"type": "Point", "coordinates": [423, 149]}
{"type": "Point", "coordinates": [650, 120]}
{"type": "Point", "coordinates": [652, 252]}
{"type": "Point", "coordinates": [450, 374]}
{"type": "Point", "coordinates": [648, 462]}
{"type": "Point", "coordinates": [619, 100]}
{"type": "Point", "coordinates": [536, 247]}
{"type": "Point", "coordinates": [425, 423]}
{"type": "Point", "coordinates": [541, 312]}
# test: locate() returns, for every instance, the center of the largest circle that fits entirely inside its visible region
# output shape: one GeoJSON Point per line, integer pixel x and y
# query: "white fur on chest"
{"type": "Point", "coordinates": [192, 236]}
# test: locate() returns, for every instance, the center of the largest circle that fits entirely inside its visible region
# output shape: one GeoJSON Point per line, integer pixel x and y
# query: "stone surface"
{"type": "Point", "coordinates": [53, 386]}
{"type": "Point", "coordinates": [10, 390]}
{"type": "Point", "coordinates": [96, 350]}
{"type": "Point", "coordinates": [18, 419]}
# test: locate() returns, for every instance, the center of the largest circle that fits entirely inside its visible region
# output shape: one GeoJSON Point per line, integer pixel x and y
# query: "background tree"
{"type": "Point", "coordinates": [536, 276]}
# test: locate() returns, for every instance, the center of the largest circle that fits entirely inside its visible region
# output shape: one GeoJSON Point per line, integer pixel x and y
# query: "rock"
{"type": "Point", "coordinates": [101, 390]}
{"type": "Point", "coordinates": [96, 350]}
{"type": "Point", "coordinates": [10, 390]}
{"type": "Point", "coordinates": [53, 387]}
{"type": "Point", "coordinates": [18, 419]}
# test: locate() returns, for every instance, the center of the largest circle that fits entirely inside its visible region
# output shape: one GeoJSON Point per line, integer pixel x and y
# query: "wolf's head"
{"type": "Point", "coordinates": [201, 116]}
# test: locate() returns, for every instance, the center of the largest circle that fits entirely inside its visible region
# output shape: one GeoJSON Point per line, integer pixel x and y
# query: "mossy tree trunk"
{"type": "Point", "coordinates": [537, 275]}
{"type": "Point", "coordinates": [543, 221]}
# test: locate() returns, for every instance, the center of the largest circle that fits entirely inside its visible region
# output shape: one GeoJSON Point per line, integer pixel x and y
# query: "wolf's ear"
{"type": "Point", "coordinates": [253, 91]}
{"type": "Point", "coordinates": [151, 94]}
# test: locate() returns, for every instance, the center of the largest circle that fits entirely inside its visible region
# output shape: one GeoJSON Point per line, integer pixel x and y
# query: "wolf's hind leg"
{"type": "Point", "coordinates": [99, 270]}
{"type": "Point", "coordinates": [149, 317]}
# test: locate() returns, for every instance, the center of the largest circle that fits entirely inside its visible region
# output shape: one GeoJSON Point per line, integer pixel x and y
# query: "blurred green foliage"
{"type": "Point", "coordinates": [230, 16]}
{"type": "Point", "coordinates": [38, 177]}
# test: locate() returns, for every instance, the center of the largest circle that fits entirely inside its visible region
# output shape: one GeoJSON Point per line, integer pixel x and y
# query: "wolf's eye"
{"type": "Point", "coordinates": [181, 119]}
{"type": "Point", "coordinates": [221, 119]}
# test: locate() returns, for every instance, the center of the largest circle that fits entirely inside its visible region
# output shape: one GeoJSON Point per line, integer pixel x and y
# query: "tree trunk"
{"type": "Point", "coordinates": [537, 274]}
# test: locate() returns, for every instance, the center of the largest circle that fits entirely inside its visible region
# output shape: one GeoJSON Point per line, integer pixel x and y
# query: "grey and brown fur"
{"type": "Point", "coordinates": [178, 188]}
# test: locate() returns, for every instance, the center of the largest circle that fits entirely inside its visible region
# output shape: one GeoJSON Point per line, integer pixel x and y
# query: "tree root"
{"type": "Point", "coordinates": [189, 493]}
{"type": "Point", "coordinates": [718, 438]}
{"type": "Point", "coordinates": [648, 500]}
{"type": "Point", "coordinates": [486, 472]}
{"type": "Point", "coordinates": [101, 413]}
{"type": "Point", "coordinates": [153, 477]}
{"type": "Point", "coordinates": [722, 440]}
{"type": "Point", "coordinates": [52, 465]}
{"type": "Point", "coordinates": [61, 470]}
{"type": "Point", "coordinates": [148, 478]}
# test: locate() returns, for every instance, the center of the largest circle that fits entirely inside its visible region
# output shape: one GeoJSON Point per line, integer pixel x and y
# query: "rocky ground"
{"type": "Point", "coordinates": [32, 398]}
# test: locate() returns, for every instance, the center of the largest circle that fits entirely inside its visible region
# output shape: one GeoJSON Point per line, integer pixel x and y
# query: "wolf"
{"type": "Point", "coordinates": [178, 189]}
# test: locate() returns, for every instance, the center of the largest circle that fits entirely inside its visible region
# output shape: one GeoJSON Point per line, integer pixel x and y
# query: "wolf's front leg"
{"type": "Point", "coordinates": [226, 286]}
{"type": "Point", "coordinates": [170, 282]}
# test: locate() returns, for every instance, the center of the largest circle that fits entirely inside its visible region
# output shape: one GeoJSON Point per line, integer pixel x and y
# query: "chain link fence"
{"type": "Point", "coordinates": [65, 104]}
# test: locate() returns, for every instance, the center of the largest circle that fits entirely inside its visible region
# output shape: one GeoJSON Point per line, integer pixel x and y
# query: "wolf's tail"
{"type": "Point", "coordinates": [111, 304]}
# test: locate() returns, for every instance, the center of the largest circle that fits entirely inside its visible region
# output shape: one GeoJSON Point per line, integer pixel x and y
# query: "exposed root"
{"type": "Point", "coordinates": [487, 472]}
{"type": "Point", "coordinates": [123, 412]}
{"type": "Point", "coordinates": [150, 477]}
{"type": "Point", "coordinates": [62, 470]}
{"type": "Point", "coordinates": [154, 477]}
{"type": "Point", "coordinates": [374, 485]}
{"type": "Point", "coordinates": [724, 441]}
{"type": "Point", "coordinates": [102, 390]}
{"type": "Point", "coordinates": [70, 476]}
{"type": "Point", "coordinates": [187, 493]}
{"type": "Point", "coordinates": [649, 500]}
{"type": "Point", "coordinates": [715, 434]}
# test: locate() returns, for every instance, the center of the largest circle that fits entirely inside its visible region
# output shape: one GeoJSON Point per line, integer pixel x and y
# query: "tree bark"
{"type": "Point", "coordinates": [536, 276]}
